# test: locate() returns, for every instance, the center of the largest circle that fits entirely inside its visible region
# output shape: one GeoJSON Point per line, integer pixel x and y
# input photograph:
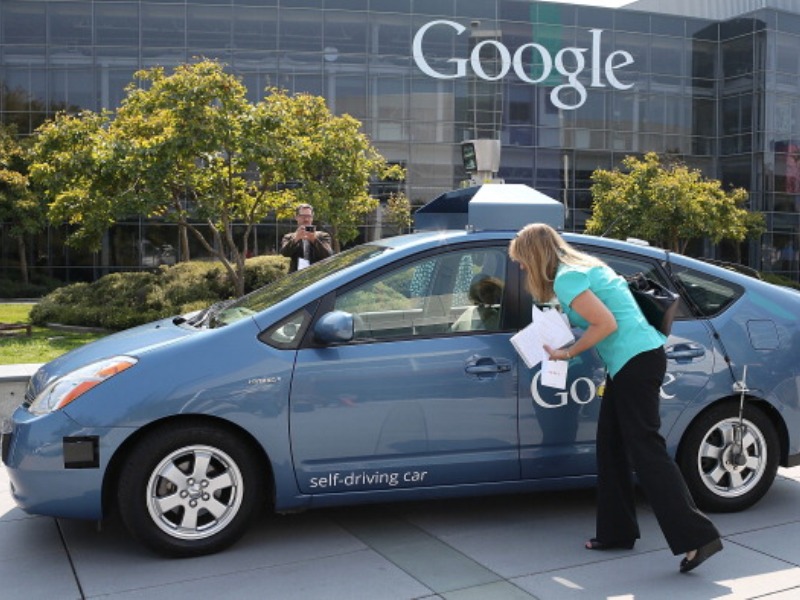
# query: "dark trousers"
{"type": "Point", "coordinates": [628, 439]}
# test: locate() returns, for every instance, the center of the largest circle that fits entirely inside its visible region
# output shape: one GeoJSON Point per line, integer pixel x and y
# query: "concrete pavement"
{"type": "Point", "coordinates": [13, 381]}
{"type": "Point", "coordinates": [504, 548]}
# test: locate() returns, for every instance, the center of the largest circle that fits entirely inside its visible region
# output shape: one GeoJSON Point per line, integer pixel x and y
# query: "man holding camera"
{"type": "Point", "coordinates": [306, 245]}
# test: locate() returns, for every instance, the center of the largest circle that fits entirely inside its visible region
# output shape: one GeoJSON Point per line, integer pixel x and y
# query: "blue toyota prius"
{"type": "Point", "coordinates": [386, 373]}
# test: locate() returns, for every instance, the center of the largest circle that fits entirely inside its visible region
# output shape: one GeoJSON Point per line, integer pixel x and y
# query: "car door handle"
{"type": "Point", "coordinates": [487, 369]}
{"type": "Point", "coordinates": [685, 352]}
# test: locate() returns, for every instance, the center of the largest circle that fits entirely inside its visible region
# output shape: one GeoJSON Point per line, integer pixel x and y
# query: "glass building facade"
{"type": "Point", "coordinates": [566, 89]}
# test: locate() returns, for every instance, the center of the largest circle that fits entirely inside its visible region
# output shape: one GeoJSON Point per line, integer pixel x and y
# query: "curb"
{"type": "Point", "coordinates": [13, 382]}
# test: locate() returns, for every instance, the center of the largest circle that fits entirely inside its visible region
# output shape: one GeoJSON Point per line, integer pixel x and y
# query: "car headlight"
{"type": "Point", "coordinates": [73, 385]}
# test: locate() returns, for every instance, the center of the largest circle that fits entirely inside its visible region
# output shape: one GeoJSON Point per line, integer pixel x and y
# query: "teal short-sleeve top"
{"type": "Point", "coordinates": [634, 334]}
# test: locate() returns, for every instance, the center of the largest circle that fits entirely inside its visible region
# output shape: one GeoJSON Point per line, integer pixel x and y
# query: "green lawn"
{"type": "Point", "coordinates": [42, 346]}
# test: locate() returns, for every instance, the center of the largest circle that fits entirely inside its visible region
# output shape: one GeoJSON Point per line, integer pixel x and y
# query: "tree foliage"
{"type": "Point", "coordinates": [19, 204]}
{"type": "Point", "coordinates": [189, 146]}
{"type": "Point", "coordinates": [330, 158]}
{"type": "Point", "coordinates": [398, 211]}
{"type": "Point", "coordinates": [184, 153]}
{"type": "Point", "coordinates": [73, 168]}
{"type": "Point", "coordinates": [667, 204]}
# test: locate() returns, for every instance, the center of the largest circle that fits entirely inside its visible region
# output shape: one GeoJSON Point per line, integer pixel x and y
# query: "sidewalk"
{"type": "Point", "coordinates": [13, 381]}
{"type": "Point", "coordinates": [499, 548]}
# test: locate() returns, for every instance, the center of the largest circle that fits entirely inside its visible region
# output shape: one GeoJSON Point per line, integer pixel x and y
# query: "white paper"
{"type": "Point", "coordinates": [554, 373]}
{"type": "Point", "coordinates": [548, 327]}
{"type": "Point", "coordinates": [302, 263]}
{"type": "Point", "coordinates": [528, 345]}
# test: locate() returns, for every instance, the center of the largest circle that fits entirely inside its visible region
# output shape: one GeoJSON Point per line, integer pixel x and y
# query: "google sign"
{"type": "Point", "coordinates": [600, 69]}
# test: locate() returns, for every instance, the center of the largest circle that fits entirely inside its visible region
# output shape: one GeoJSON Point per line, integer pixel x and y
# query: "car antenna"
{"type": "Point", "coordinates": [737, 451]}
{"type": "Point", "coordinates": [610, 227]}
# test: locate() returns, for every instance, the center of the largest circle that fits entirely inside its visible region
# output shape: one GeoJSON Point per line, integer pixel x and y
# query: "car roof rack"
{"type": "Point", "coordinates": [490, 207]}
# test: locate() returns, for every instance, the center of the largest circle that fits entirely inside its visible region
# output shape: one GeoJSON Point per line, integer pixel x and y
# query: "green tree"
{"type": "Point", "coordinates": [183, 140]}
{"type": "Point", "coordinates": [72, 168]}
{"type": "Point", "coordinates": [19, 204]}
{"type": "Point", "coordinates": [330, 159]}
{"type": "Point", "coordinates": [398, 211]}
{"type": "Point", "coordinates": [188, 146]}
{"type": "Point", "coordinates": [668, 204]}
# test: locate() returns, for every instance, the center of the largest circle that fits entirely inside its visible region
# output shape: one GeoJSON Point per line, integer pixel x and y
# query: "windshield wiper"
{"type": "Point", "coordinates": [203, 318]}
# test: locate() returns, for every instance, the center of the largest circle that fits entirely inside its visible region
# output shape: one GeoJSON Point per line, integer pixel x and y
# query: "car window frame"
{"type": "Point", "coordinates": [510, 305]}
{"type": "Point", "coordinates": [305, 315]}
{"type": "Point", "coordinates": [701, 310]}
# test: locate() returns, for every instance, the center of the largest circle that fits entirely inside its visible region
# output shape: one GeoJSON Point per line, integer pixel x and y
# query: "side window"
{"type": "Point", "coordinates": [629, 265]}
{"type": "Point", "coordinates": [458, 291]}
{"type": "Point", "coordinates": [711, 295]}
{"type": "Point", "coordinates": [288, 333]}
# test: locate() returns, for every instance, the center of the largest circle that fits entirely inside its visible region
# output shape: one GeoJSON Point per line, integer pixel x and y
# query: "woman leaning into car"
{"type": "Point", "coordinates": [599, 301]}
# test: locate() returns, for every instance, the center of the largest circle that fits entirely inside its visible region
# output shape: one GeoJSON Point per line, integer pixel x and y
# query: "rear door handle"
{"type": "Point", "coordinates": [685, 352]}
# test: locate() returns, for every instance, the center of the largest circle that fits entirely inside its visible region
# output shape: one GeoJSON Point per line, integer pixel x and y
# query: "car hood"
{"type": "Point", "coordinates": [131, 342]}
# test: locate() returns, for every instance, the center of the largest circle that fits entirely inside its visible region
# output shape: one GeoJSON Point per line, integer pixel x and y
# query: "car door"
{"type": "Point", "coordinates": [691, 351]}
{"type": "Point", "coordinates": [558, 427]}
{"type": "Point", "coordinates": [423, 395]}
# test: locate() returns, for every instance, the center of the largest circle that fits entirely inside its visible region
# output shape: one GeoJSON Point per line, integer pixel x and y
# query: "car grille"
{"type": "Point", "coordinates": [5, 439]}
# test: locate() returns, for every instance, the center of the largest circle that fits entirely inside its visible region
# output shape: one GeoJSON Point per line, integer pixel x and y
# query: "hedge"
{"type": "Point", "coordinates": [122, 300]}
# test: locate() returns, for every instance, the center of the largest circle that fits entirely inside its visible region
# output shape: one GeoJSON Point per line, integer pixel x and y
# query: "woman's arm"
{"type": "Point", "coordinates": [601, 324]}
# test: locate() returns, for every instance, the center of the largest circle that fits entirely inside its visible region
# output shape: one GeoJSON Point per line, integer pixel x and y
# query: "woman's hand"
{"type": "Point", "coordinates": [559, 353]}
{"type": "Point", "coordinates": [601, 324]}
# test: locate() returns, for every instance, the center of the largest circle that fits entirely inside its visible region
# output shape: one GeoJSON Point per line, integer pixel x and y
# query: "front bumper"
{"type": "Point", "coordinates": [56, 467]}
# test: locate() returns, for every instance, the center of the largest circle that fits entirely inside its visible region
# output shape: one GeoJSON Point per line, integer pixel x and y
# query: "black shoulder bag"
{"type": "Point", "coordinates": [658, 303]}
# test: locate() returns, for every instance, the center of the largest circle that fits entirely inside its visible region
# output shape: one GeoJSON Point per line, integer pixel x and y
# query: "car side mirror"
{"type": "Point", "coordinates": [334, 327]}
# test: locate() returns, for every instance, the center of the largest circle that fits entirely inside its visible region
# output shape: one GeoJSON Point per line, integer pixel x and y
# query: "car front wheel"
{"type": "Point", "coordinates": [729, 465]}
{"type": "Point", "coordinates": [189, 490]}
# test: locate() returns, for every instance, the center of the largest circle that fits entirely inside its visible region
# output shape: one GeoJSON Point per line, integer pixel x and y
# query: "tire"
{"type": "Point", "coordinates": [189, 490]}
{"type": "Point", "coordinates": [707, 456]}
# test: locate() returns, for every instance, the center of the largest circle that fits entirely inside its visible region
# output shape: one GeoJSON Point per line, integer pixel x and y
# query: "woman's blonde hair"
{"type": "Point", "coordinates": [539, 249]}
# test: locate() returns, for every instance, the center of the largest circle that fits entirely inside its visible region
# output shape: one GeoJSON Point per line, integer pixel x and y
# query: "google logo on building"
{"type": "Point", "coordinates": [601, 70]}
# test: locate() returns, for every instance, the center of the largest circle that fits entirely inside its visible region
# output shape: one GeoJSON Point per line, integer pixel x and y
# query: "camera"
{"type": "Point", "coordinates": [309, 228]}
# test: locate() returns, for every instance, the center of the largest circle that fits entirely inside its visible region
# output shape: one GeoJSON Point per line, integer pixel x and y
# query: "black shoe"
{"type": "Point", "coordinates": [595, 544]}
{"type": "Point", "coordinates": [703, 553]}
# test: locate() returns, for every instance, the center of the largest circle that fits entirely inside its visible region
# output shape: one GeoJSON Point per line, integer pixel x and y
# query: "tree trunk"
{"type": "Point", "coordinates": [335, 240]}
{"type": "Point", "coordinates": [183, 241]}
{"type": "Point", "coordinates": [234, 270]}
{"type": "Point", "coordinates": [23, 259]}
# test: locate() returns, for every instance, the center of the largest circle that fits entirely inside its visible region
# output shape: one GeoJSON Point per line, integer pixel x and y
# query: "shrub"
{"type": "Point", "coordinates": [61, 306]}
{"type": "Point", "coordinates": [120, 289]}
{"type": "Point", "coordinates": [261, 270]}
{"type": "Point", "coordinates": [193, 282]}
{"type": "Point", "coordinates": [122, 300]}
{"type": "Point", "coordinates": [39, 286]}
{"type": "Point", "coordinates": [780, 280]}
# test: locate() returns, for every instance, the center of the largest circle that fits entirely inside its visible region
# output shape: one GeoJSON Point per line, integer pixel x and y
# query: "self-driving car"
{"type": "Point", "coordinates": [385, 373]}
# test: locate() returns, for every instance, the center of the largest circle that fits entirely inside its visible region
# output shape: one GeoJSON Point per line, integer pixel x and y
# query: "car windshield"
{"type": "Point", "coordinates": [280, 289]}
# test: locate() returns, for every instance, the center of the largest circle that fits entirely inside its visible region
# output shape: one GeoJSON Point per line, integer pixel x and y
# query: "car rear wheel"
{"type": "Point", "coordinates": [727, 471]}
{"type": "Point", "coordinates": [189, 490]}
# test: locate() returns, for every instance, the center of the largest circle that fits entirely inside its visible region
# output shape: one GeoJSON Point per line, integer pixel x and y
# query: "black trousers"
{"type": "Point", "coordinates": [628, 440]}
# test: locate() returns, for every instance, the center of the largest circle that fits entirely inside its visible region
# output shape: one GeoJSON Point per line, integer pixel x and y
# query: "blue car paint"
{"type": "Point", "coordinates": [415, 408]}
{"type": "Point", "coordinates": [39, 482]}
{"type": "Point", "coordinates": [129, 341]}
{"type": "Point", "coordinates": [272, 394]}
